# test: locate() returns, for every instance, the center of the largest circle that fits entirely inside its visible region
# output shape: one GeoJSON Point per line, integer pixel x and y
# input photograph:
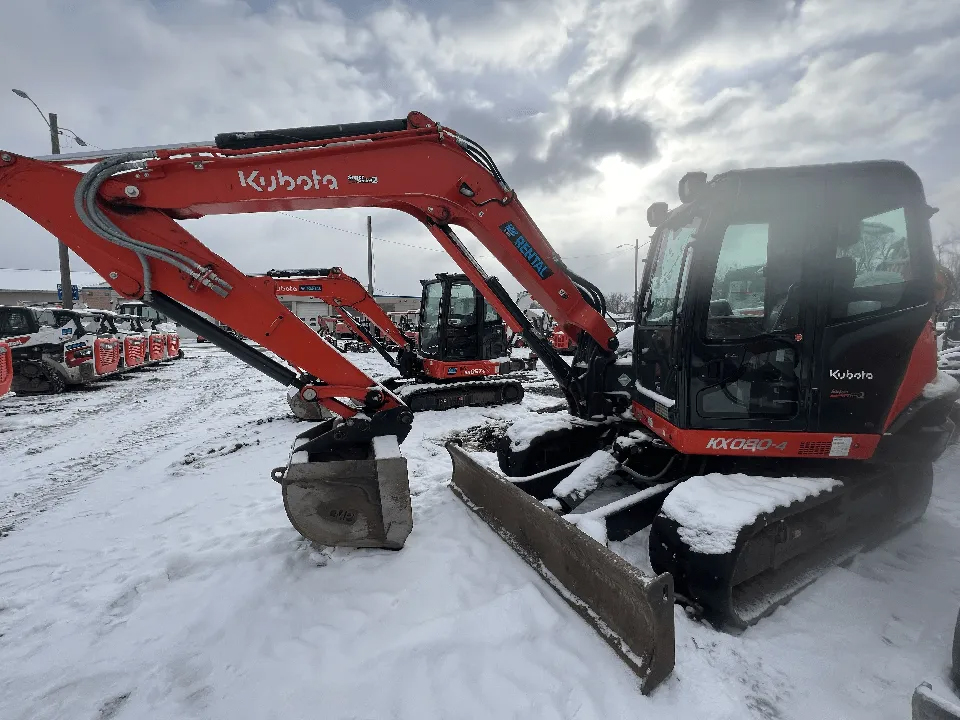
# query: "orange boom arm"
{"type": "Point", "coordinates": [121, 218]}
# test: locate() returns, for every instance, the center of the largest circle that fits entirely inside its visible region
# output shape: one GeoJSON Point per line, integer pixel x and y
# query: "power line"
{"type": "Point", "coordinates": [353, 232]}
{"type": "Point", "coordinates": [484, 253]}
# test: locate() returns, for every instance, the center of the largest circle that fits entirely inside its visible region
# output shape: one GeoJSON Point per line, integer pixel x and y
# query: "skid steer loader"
{"type": "Point", "coordinates": [49, 349]}
{"type": "Point", "coordinates": [760, 442]}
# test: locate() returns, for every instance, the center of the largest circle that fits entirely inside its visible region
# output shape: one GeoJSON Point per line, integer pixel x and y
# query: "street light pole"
{"type": "Point", "coordinates": [65, 283]}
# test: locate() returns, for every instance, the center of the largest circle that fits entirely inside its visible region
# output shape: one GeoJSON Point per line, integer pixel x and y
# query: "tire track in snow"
{"type": "Point", "coordinates": [132, 425]}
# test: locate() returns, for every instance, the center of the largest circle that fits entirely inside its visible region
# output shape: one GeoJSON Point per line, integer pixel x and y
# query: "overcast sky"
{"type": "Point", "coordinates": [593, 110]}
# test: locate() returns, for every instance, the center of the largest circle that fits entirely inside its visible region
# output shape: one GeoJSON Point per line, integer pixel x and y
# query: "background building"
{"type": "Point", "coordinates": [40, 286]}
{"type": "Point", "coordinates": [309, 310]}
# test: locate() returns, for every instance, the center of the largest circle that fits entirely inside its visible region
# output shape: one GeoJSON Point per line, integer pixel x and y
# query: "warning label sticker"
{"type": "Point", "coordinates": [840, 447]}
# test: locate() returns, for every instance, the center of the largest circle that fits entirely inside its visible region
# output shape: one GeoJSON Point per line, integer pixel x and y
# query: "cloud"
{"type": "Point", "coordinates": [592, 110]}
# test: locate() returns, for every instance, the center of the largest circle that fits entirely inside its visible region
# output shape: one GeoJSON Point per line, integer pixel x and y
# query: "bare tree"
{"type": "Point", "coordinates": [619, 302]}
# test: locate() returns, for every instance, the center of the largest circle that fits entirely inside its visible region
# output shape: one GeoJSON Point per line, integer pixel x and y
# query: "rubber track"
{"type": "Point", "coordinates": [44, 382]}
{"type": "Point", "coordinates": [478, 393]}
{"type": "Point", "coordinates": [878, 508]}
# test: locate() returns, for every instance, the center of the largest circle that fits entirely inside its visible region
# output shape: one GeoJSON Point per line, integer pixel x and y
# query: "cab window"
{"type": "Point", "coordinates": [13, 322]}
{"type": "Point", "coordinates": [661, 303]}
{"type": "Point", "coordinates": [872, 266]}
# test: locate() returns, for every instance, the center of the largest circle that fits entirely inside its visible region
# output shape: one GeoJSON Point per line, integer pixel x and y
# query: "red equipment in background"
{"type": "Point", "coordinates": [107, 353]}
{"type": "Point", "coordinates": [134, 351]}
{"type": "Point", "coordinates": [468, 338]}
{"type": "Point", "coordinates": [157, 347]}
{"type": "Point", "coordinates": [561, 342]}
{"type": "Point", "coordinates": [6, 368]}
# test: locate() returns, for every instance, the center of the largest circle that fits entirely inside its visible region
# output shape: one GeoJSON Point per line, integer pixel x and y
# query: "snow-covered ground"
{"type": "Point", "coordinates": [147, 570]}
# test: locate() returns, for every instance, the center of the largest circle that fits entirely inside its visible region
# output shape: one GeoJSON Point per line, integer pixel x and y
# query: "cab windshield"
{"type": "Point", "coordinates": [661, 304]}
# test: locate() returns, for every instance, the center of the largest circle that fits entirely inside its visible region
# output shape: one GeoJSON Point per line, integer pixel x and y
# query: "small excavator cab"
{"type": "Point", "coordinates": [779, 299]}
{"type": "Point", "coordinates": [457, 324]}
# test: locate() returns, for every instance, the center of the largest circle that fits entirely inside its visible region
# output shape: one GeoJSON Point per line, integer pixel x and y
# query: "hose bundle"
{"type": "Point", "coordinates": [93, 217]}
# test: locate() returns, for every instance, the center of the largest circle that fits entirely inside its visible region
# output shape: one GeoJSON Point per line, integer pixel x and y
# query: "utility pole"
{"type": "Point", "coordinates": [370, 255]}
{"type": "Point", "coordinates": [65, 281]}
{"type": "Point", "coordinates": [636, 271]}
{"type": "Point", "coordinates": [51, 120]}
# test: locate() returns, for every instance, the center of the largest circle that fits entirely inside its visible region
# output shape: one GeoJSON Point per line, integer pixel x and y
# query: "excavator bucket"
{"type": "Point", "coordinates": [633, 612]}
{"type": "Point", "coordinates": [361, 499]}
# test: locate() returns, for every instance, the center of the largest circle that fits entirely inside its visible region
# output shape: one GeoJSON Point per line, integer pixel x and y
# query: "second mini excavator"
{"type": "Point", "coordinates": [463, 354]}
{"type": "Point", "coordinates": [762, 429]}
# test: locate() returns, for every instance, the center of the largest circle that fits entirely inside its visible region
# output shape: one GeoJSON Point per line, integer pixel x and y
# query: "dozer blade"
{"type": "Point", "coordinates": [631, 611]}
{"type": "Point", "coordinates": [927, 705]}
{"type": "Point", "coordinates": [359, 501]}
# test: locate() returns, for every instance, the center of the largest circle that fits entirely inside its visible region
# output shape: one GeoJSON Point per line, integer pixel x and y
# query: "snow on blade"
{"type": "Point", "coordinates": [594, 527]}
{"type": "Point", "coordinates": [594, 522]}
{"type": "Point", "coordinates": [949, 708]}
{"type": "Point", "coordinates": [943, 385]}
{"type": "Point", "coordinates": [587, 476]}
{"type": "Point", "coordinates": [712, 509]}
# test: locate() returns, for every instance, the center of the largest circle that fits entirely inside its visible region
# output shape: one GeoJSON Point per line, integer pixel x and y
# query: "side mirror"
{"type": "Point", "coordinates": [657, 214]}
{"type": "Point", "coordinates": [691, 185]}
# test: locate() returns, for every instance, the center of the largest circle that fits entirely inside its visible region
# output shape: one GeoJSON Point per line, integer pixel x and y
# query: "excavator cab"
{"type": "Point", "coordinates": [457, 324]}
{"type": "Point", "coordinates": [785, 300]}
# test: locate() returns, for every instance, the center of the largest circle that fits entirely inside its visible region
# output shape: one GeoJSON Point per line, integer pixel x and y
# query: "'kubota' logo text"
{"type": "Point", "coordinates": [850, 375]}
{"type": "Point", "coordinates": [286, 182]}
{"type": "Point", "coordinates": [746, 444]}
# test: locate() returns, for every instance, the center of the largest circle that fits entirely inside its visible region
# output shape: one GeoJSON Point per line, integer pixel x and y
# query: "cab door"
{"type": "Point", "coordinates": [662, 312]}
{"type": "Point", "coordinates": [752, 336]}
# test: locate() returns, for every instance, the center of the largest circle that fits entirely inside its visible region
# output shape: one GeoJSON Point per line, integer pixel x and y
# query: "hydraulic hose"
{"type": "Point", "coordinates": [88, 210]}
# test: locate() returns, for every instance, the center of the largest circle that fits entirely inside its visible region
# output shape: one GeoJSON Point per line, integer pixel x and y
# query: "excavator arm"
{"type": "Point", "coordinates": [338, 290]}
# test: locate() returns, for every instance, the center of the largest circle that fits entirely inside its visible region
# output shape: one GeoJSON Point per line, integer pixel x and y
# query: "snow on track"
{"type": "Point", "coordinates": [712, 509]}
{"type": "Point", "coordinates": [151, 573]}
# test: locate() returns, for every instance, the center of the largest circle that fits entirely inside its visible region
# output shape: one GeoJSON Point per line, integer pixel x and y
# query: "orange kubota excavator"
{"type": "Point", "coordinates": [779, 409]}
{"type": "Point", "coordinates": [461, 363]}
